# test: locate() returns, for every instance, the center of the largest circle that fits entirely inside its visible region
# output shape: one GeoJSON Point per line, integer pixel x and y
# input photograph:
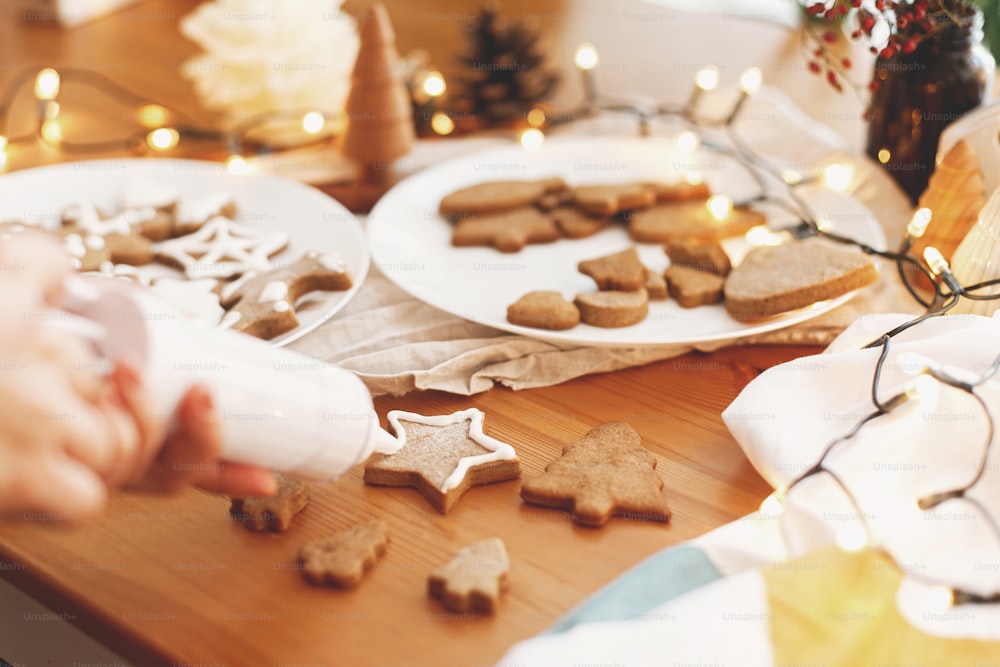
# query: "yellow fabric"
{"type": "Point", "coordinates": [835, 608]}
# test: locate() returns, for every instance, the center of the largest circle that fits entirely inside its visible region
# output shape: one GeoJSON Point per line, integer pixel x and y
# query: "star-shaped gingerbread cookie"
{"type": "Point", "coordinates": [442, 456]}
{"type": "Point", "coordinates": [473, 580]}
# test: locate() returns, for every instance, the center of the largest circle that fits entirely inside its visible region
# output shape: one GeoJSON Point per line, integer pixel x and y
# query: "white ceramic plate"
{"type": "Point", "coordinates": [410, 242]}
{"type": "Point", "coordinates": [312, 220]}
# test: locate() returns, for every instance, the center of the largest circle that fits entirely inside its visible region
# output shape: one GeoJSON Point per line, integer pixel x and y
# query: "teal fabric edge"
{"type": "Point", "coordinates": [661, 577]}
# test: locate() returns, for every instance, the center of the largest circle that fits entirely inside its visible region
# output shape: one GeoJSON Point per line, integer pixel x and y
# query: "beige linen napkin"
{"type": "Point", "coordinates": [397, 343]}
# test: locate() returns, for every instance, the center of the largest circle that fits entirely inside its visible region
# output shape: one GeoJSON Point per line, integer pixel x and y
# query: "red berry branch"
{"type": "Point", "coordinates": [907, 24]}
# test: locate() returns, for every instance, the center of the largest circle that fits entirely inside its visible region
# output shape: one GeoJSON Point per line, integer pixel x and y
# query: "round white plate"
{"type": "Point", "coordinates": [411, 243]}
{"type": "Point", "coordinates": [311, 219]}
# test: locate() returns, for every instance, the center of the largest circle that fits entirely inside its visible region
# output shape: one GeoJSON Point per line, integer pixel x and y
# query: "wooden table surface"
{"type": "Point", "coordinates": [168, 581]}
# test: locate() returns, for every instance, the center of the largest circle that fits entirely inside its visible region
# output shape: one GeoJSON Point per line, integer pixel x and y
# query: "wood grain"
{"type": "Point", "coordinates": [175, 580]}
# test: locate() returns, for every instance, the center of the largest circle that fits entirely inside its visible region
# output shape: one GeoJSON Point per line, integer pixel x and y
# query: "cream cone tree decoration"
{"type": "Point", "coordinates": [955, 194]}
{"type": "Point", "coordinates": [379, 117]}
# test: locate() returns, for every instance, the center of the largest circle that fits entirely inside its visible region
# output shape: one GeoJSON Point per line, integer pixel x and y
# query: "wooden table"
{"type": "Point", "coordinates": [175, 581]}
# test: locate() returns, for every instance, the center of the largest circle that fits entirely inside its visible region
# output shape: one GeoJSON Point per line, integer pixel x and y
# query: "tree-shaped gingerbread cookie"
{"type": "Point", "coordinates": [607, 472]}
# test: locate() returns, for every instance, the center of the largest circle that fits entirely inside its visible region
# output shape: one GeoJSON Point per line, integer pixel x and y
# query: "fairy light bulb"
{"type": "Point", "coordinates": [532, 139]}
{"type": "Point", "coordinates": [3, 143]}
{"type": "Point", "coordinates": [762, 235]}
{"type": "Point", "coordinates": [586, 57]}
{"type": "Point", "coordinates": [837, 176]}
{"type": "Point", "coordinates": [750, 80]}
{"type": "Point", "coordinates": [851, 537]}
{"type": "Point", "coordinates": [720, 207]}
{"type": "Point", "coordinates": [772, 507]}
{"type": "Point", "coordinates": [935, 260]}
{"type": "Point", "coordinates": [938, 598]}
{"type": "Point", "coordinates": [51, 132]}
{"type": "Point", "coordinates": [535, 117]}
{"type": "Point", "coordinates": [47, 84]}
{"type": "Point", "coordinates": [237, 165]}
{"type": "Point", "coordinates": [707, 78]}
{"type": "Point", "coordinates": [152, 116]}
{"type": "Point", "coordinates": [313, 122]}
{"type": "Point", "coordinates": [163, 138]}
{"type": "Point", "coordinates": [442, 123]}
{"type": "Point", "coordinates": [919, 222]}
{"type": "Point", "coordinates": [434, 84]}
{"type": "Point", "coordinates": [688, 142]}
{"type": "Point", "coordinates": [791, 177]}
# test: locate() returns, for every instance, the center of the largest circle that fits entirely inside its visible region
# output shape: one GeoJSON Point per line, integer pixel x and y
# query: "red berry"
{"type": "Point", "coordinates": [829, 37]}
{"type": "Point", "coordinates": [815, 9]}
{"type": "Point", "coordinates": [814, 67]}
{"type": "Point", "coordinates": [846, 62]}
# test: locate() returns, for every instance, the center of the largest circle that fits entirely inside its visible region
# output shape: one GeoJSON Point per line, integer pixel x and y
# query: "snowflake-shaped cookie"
{"type": "Point", "coordinates": [442, 456]}
{"type": "Point", "coordinates": [222, 248]}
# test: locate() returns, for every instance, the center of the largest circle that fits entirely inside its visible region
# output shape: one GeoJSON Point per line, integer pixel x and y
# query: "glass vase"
{"type": "Point", "coordinates": [920, 93]}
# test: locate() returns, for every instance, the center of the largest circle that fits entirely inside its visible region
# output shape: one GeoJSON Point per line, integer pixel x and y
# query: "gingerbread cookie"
{"type": "Point", "coordinates": [273, 512]}
{"type": "Point", "coordinates": [122, 234]}
{"type": "Point", "coordinates": [692, 287]}
{"type": "Point", "coordinates": [442, 456]}
{"type": "Point", "coordinates": [507, 232]}
{"type": "Point", "coordinates": [608, 200]}
{"type": "Point", "coordinates": [263, 304]}
{"type": "Point", "coordinates": [666, 222]}
{"type": "Point", "coordinates": [343, 558]}
{"type": "Point", "coordinates": [474, 579]}
{"type": "Point", "coordinates": [575, 224]}
{"type": "Point", "coordinates": [611, 309]}
{"type": "Point", "coordinates": [222, 248]}
{"type": "Point", "coordinates": [699, 254]}
{"type": "Point", "coordinates": [656, 286]}
{"type": "Point", "coordinates": [146, 194]}
{"type": "Point", "coordinates": [619, 271]}
{"type": "Point", "coordinates": [681, 191]}
{"type": "Point", "coordinates": [543, 310]}
{"type": "Point", "coordinates": [494, 197]}
{"type": "Point", "coordinates": [775, 279]}
{"type": "Point", "coordinates": [607, 473]}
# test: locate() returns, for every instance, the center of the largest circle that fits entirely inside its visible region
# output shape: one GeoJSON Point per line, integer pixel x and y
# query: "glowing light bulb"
{"type": "Point", "coordinates": [707, 77]}
{"type": "Point", "coordinates": [791, 177]}
{"type": "Point", "coordinates": [837, 176]}
{"type": "Point", "coordinates": [720, 207]}
{"type": "Point", "coordinates": [237, 165]}
{"type": "Point", "coordinates": [750, 80]}
{"type": "Point", "coordinates": [688, 142]}
{"type": "Point", "coordinates": [442, 123]}
{"type": "Point", "coordinates": [3, 142]}
{"type": "Point", "coordinates": [694, 178]}
{"type": "Point", "coordinates": [772, 506]}
{"type": "Point", "coordinates": [51, 132]}
{"type": "Point", "coordinates": [939, 598]}
{"type": "Point", "coordinates": [163, 139]}
{"type": "Point", "coordinates": [532, 139]}
{"type": "Point", "coordinates": [851, 537]}
{"type": "Point", "coordinates": [47, 84]}
{"type": "Point", "coordinates": [535, 118]}
{"type": "Point", "coordinates": [762, 235]}
{"type": "Point", "coordinates": [313, 122]}
{"type": "Point", "coordinates": [152, 116]}
{"type": "Point", "coordinates": [935, 260]}
{"type": "Point", "coordinates": [434, 84]}
{"type": "Point", "coordinates": [918, 223]}
{"type": "Point", "coordinates": [884, 155]}
{"type": "Point", "coordinates": [586, 57]}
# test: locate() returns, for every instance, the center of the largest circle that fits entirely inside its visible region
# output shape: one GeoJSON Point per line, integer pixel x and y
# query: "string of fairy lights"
{"type": "Point", "coordinates": [159, 129]}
